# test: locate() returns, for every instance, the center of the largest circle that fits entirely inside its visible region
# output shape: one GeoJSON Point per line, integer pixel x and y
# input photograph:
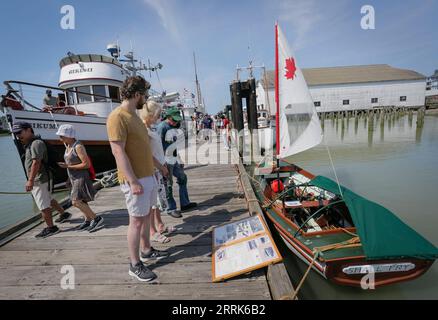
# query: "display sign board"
{"type": "Point", "coordinates": [242, 246]}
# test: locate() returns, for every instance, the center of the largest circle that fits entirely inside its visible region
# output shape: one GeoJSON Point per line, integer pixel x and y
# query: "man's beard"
{"type": "Point", "coordinates": [139, 106]}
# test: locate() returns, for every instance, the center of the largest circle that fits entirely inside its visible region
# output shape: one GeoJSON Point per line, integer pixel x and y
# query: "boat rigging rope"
{"type": "Point", "coordinates": [159, 81]}
{"type": "Point", "coordinates": [333, 167]}
{"type": "Point", "coordinates": [53, 118]}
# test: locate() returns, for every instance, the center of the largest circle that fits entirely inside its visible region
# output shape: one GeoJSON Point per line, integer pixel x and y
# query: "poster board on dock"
{"type": "Point", "coordinates": [242, 246]}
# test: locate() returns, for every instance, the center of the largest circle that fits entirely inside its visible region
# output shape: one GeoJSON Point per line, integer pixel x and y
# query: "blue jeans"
{"type": "Point", "coordinates": [177, 171]}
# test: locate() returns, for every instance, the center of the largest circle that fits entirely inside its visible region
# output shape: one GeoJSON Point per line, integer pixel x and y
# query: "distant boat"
{"type": "Point", "coordinates": [342, 235]}
{"type": "Point", "coordinates": [262, 119]}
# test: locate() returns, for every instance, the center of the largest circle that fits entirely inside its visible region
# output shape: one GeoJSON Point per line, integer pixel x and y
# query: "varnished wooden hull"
{"type": "Point", "coordinates": [341, 269]}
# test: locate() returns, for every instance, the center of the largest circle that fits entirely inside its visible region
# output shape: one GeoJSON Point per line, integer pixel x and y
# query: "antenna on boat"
{"type": "Point", "coordinates": [250, 69]}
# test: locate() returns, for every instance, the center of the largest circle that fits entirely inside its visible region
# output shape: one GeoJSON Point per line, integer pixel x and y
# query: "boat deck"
{"type": "Point", "coordinates": [31, 268]}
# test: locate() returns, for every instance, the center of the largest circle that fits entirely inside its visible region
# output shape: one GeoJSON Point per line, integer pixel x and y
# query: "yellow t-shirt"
{"type": "Point", "coordinates": [125, 126]}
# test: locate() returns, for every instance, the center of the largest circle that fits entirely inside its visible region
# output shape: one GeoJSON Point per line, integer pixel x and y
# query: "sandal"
{"type": "Point", "coordinates": [168, 230]}
{"type": "Point", "coordinates": [158, 237]}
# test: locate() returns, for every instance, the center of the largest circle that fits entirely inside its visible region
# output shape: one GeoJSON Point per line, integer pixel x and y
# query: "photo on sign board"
{"type": "Point", "coordinates": [220, 255]}
{"type": "Point", "coordinates": [269, 252]}
{"type": "Point", "coordinates": [256, 225]}
{"type": "Point", "coordinates": [252, 245]}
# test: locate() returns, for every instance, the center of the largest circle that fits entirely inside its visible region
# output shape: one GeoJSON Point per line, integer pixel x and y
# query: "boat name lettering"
{"type": "Point", "coordinates": [80, 70]}
{"type": "Point", "coordinates": [44, 126]}
{"type": "Point", "coordinates": [378, 268]}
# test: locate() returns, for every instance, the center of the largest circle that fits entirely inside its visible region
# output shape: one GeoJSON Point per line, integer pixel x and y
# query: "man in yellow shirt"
{"type": "Point", "coordinates": [129, 142]}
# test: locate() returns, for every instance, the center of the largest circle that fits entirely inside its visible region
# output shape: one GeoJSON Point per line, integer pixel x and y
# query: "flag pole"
{"type": "Point", "coordinates": [277, 117]}
{"type": "Point", "coordinates": [277, 98]}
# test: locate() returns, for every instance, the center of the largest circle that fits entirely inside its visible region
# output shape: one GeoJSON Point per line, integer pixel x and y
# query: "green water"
{"type": "Point", "coordinates": [392, 162]}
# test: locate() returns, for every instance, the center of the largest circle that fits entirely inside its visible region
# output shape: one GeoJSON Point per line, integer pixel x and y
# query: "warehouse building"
{"type": "Point", "coordinates": [354, 88]}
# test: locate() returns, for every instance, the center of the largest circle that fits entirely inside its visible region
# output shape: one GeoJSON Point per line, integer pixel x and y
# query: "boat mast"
{"type": "Point", "coordinates": [277, 117]}
{"type": "Point", "coordinates": [198, 87]}
{"type": "Point", "coordinates": [277, 98]}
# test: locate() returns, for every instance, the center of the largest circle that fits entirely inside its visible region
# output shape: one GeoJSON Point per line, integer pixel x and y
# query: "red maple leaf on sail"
{"type": "Point", "coordinates": [290, 68]}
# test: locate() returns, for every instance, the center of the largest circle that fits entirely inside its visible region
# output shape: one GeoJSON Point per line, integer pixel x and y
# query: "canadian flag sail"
{"type": "Point", "coordinates": [298, 126]}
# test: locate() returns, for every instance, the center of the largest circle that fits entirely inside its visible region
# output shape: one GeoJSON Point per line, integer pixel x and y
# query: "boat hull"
{"type": "Point", "coordinates": [335, 271]}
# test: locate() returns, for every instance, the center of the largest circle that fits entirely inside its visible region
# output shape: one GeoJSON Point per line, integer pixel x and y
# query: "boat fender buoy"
{"type": "Point", "coordinates": [277, 186]}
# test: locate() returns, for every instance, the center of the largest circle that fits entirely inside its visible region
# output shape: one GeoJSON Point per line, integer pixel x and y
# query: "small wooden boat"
{"type": "Point", "coordinates": [343, 236]}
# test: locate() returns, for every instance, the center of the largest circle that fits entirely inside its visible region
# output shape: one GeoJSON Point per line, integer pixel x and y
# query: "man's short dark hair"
{"type": "Point", "coordinates": [132, 85]}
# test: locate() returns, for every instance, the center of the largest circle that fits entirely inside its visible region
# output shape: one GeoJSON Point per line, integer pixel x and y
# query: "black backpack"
{"type": "Point", "coordinates": [51, 164]}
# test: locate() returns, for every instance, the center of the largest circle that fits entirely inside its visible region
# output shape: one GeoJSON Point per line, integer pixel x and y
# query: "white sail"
{"type": "Point", "coordinates": [299, 125]}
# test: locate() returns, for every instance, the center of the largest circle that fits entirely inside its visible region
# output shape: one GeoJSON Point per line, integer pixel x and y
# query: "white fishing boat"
{"type": "Point", "coordinates": [88, 90]}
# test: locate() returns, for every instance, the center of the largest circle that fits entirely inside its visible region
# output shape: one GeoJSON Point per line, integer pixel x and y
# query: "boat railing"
{"type": "Point", "coordinates": [16, 90]}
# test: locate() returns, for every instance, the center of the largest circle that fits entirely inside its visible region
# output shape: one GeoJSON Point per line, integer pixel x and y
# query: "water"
{"type": "Point", "coordinates": [392, 162]}
{"type": "Point", "coordinates": [14, 208]}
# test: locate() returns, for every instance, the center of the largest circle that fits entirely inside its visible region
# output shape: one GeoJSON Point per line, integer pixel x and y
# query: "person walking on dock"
{"type": "Point", "coordinates": [130, 146]}
{"type": "Point", "coordinates": [207, 124]}
{"type": "Point", "coordinates": [77, 164]}
{"type": "Point", "coordinates": [35, 163]}
{"type": "Point", "coordinates": [168, 132]}
{"type": "Point", "coordinates": [150, 114]}
{"type": "Point", "coordinates": [225, 128]}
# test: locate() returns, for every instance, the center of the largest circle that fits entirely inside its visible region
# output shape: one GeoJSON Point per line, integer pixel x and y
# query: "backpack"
{"type": "Point", "coordinates": [52, 157]}
{"type": "Point", "coordinates": [90, 169]}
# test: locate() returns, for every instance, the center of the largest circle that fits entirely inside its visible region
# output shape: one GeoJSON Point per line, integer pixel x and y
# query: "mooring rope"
{"type": "Point", "coordinates": [109, 180]}
{"type": "Point", "coordinates": [8, 193]}
{"type": "Point", "coordinates": [21, 193]}
{"type": "Point", "coordinates": [353, 242]}
{"type": "Point", "coordinates": [294, 295]}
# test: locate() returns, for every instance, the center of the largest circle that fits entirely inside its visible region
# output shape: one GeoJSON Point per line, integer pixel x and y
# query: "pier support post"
{"type": "Point", "coordinates": [237, 112]}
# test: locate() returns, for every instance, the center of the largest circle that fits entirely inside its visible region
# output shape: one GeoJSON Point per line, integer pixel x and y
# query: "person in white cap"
{"type": "Point", "coordinates": [77, 163]}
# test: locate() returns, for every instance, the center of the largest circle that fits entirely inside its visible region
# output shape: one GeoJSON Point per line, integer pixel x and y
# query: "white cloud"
{"type": "Point", "coordinates": [311, 18]}
{"type": "Point", "coordinates": [302, 15]}
{"type": "Point", "coordinates": [165, 9]}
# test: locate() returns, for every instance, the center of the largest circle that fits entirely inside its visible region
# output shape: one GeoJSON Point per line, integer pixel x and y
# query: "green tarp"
{"type": "Point", "coordinates": [382, 234]}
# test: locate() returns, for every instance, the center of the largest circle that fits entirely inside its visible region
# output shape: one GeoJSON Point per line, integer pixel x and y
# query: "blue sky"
{"type": "Point", "coordinates": [222, 33]}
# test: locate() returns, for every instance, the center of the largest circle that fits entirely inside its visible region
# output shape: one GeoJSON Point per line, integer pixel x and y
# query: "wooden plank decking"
{"type": "Point", "coordinates": [31, 268]}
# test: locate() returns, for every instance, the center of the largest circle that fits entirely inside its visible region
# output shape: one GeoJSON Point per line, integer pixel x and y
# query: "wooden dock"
{"type": "Point", "coordinates": [32, 269]}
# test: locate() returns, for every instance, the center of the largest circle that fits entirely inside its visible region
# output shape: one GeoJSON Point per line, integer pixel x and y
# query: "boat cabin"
{"type": "Point", "coordinates": [92, 82]}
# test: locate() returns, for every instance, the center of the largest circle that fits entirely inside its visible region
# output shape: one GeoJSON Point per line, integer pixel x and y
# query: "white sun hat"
{"type": "Point", "coordinates": [66, 130]}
